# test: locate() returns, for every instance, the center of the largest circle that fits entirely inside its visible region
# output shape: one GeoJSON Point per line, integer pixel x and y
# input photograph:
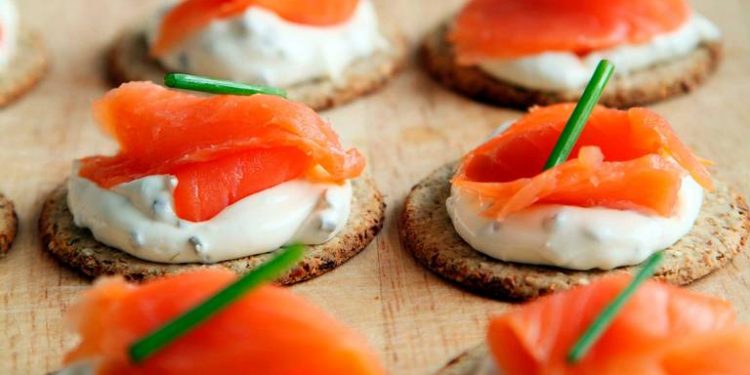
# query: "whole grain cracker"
{"type": "Point", "coordinates": [77, 248]}
{"type": "Point", "coordinates": [128, 60]}
{"type": "Point", "coordinates": [25, 70]}
{"type": "Point", "coordinates": [639, 88]}
{"type": "Point", "coordinates": [720, 232]}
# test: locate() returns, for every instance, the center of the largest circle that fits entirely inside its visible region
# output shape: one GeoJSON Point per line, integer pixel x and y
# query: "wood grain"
{"type": "Point", "coordinates": [414, 320]}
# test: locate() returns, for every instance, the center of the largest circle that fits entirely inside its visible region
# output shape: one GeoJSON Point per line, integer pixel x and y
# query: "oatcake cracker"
{"type": "Point", "coordinates": [25, 69]}
{"type": "Point", "coordinates": [129, 61]}
{"type": "Point", "coordinates": [645, 86]}
{"type": "Point", "coordinates": [8, 225]}
{"type": "Point", "coordinates": [720, 232]}
{"type": "Point", "coordinates": [77, 248]}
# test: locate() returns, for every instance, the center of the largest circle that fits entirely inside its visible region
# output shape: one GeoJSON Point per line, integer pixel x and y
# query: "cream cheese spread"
{"type": "Point", "coordinates": [8, 32]}
{"type": "Point", "coordinates": [568, 71]}
{"type": "Point", "coordinates": [138, 217]}
{"type": "Point", "coordinates": [260, 47]}
{"type": "Point", "coordinates": [572, 237]}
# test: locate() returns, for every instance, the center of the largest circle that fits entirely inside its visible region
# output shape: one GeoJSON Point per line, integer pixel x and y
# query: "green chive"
{"type": "Point", "coordinates": [605, 318]}
{"type": "Point", "coordinates": [166, 334]}
{"type": "Point", "coordinates": [580, 114]}
{"type": "Point", "coordinates": [215, 86]}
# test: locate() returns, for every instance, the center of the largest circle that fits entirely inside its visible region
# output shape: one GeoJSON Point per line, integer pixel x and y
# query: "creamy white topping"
{"type": "Point", "coordinates": [260, 47]}
{"type": "Point", "coordinates": [568, 71]}
{"type": "Point", "coordinates": [573, 237]}
{"type": "Point", "coordinates": [8, 32]}
{"type": "Point", "coordinates": [138, 217]}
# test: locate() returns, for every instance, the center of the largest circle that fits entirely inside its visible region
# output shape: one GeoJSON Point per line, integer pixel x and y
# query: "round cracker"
{"type": "Point", "coordinates": [8, 225]}
{"type": "Point", "coordinates": [642, 87]}
{"type": "Point", "coordinates": [129, 60]}
{"type": "Point", "coordinates": [25, 69]}
{"type": "Point", "coordinates": [469, 362]}
{"type": "Point", "coordinates": [720, 233]}
{"type": "Point", "coordinates": [77, 248]}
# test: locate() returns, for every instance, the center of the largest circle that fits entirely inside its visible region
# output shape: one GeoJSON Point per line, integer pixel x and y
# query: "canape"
{"type": "Point", "coordinates": [661, 330]}
{"type": "Point", "coordinates": [202, 180]}
{"type": "Point", "coordinates": [23, 58]}
{"type": "Point", "coordinates": [499, 223]}
{"type": "Point", "coordinates": [268, 330]}
{"type": "Point", "coordinates": [324, 53]}
{"type": "Point", "coordinates": [540, 52]}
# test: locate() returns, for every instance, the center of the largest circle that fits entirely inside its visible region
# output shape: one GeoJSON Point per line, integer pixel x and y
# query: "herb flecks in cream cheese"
{"type": "Point", "coordinates": [568, 71]}
{"type": "Point", "coordinates": [573, 237]}
{"type": "Point", "coordinates": [260, 47]}
{"type": "Point", "coordinates": [138, 217]}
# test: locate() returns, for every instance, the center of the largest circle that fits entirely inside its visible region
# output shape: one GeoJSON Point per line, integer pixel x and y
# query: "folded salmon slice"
{"type": "Point", "coordinates": [269, 331]}
{"type": "Point", "coordinates": [662, 330]}
{"type": "Point", "coordinates": [190, 16]}
{"type": "Point", "coordinates": [498, 29]}
{"type": "Point", "coordinates": [629, 160]}
{"type": "Point", "coordinates": [221, 148]}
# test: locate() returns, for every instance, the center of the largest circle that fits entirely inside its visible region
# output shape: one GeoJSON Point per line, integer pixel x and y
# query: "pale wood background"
{"type": "Point", "coordinates": [414, 320]}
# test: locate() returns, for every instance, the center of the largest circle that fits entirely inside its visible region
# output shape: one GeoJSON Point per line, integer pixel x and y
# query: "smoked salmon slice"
{"type": "Point", "coordinates": [501, 29]}
{"type": "Point", "coordinates": [221, 148]}
{"type": "Point", "coordinates": [662, 330]}
{"type": "Point", "coordinates": [190, 16]}
{"type": "Point", "coordinates": [269, 331]}
{"type": "Point", "coordinates": [622, 160]}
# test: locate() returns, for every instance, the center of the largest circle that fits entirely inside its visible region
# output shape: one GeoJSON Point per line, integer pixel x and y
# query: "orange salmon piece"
{"type": "Point", "coordinates": [221, 148]}
{"type": "Point", "coordinates": [188, 17]}
{"type": "Point", "coordinates": [661, 330]}
{"type": "Point", "coordinates": [269, 331]}
{"type": "Point", "coordinates": [502, 29]}
{"type": "Point", "coordinates": [621, 161]}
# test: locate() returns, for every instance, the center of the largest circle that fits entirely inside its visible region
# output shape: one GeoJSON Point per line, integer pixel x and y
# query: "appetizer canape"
{"type": "Point", "coordinates": [540, 52]}
{"type": "Point", "coordinates": [568, 191]}
{"type": "Point", "coordinates": [184, 324]}
{"type": "Point", "coordinates": [323, 52]}
{"type": "Point", "coordinates": [8, 225]}
{"type": "Point", "coordinates": [660, 330]}
{"type": "Point", "coordinates": [220, 179]}
{"type": "Point", "coordinates": [23, 59]}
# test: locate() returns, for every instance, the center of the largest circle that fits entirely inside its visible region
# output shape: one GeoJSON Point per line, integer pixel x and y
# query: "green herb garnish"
{"type": "Point", "coordinates": [168, 333]}
{"type": "Point", "coordinates": [581, 114]}
{"type": "Point", "coordinates": [216, 86]}
{"type": "Point", "coordinates": [605, 318]}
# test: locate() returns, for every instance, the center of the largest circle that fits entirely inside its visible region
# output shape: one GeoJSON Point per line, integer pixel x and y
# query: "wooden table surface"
{"type": "Point", "coordinates": [414, 320]}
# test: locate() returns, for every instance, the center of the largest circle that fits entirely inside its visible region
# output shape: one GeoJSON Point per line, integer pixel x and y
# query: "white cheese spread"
{"type": "Point", "coordinates": [260, 47]}
{"type": "Point", "coordinates": [573, 237]}
{"type": "Point", "coordinates": [8, 32]}
{"type": "Point", "coordinates": [568, 71]}
{"type": "Point", "coordinates": [138, 217]}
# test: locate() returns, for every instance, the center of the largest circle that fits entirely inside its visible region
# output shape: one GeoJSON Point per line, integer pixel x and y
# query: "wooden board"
{"type": "Point", "coordinates": [414, 320]}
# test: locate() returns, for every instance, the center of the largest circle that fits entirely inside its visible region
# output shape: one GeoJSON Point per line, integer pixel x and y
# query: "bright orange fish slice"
{"type": "Point", "coordinates": [190, 16]}
{"type": "Point", "coordinates": [221, 148]}
{"type": "Point", "coordinates": [269, 331]}
{"type": "Point", "coordinates": [621, 161]}
{"type": "Point", "coordinates": [662, 330]}
{"type": "Point", "coordinates": [498, 29]}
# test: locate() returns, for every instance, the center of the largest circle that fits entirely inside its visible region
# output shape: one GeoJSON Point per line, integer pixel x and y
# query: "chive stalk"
{"type": "Point", "coordinates": [597, 328]}
{"type": "Point", "coordinates": [581, 114]}
{"type": "Point", "coordinates": [183, 324]}
{"type": "Point", "coordinates": [216, 86]}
